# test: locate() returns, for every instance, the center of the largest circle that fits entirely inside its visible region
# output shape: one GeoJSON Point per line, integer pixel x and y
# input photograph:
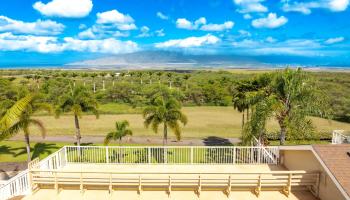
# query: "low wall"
{"type": "Point", "coordinates": [306, 160]}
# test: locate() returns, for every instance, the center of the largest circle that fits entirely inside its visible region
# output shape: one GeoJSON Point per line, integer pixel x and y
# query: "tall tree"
{"type": "Point", "coordinates": [165, 110]}
{"type": "Point", "coordinates": [20, 117]}
{"type": "Point", "coordinates": [290, 97]}
{"type": "Point", "coordinates": [80, 100]}
{"type": "Point", "coordinates": [121, 130]}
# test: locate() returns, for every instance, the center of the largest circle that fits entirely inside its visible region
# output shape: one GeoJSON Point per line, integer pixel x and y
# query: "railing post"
{"type": "Point", "coordinates": [107, 155]}
{"type": "Point", "coordinates": [65, 155]}
{"type": "Point", "coordinates": [165, 155]}
{"type": "Point", "coordinates": [149, 155]}
{"type": "Point", "coordinates": [191, 155]}
{"type": "Point", "coordinates": [30, 181]}
{"type": "Point", "coordinates": [234, 155]}
{"type": "Point", "coordinates": [259, 153]}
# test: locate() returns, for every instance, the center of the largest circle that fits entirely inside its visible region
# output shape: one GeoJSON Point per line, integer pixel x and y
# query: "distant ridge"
{"type": "Point", "coordinates": [166, 59]}
{"type": "Point", "coordinates": [178, 60]}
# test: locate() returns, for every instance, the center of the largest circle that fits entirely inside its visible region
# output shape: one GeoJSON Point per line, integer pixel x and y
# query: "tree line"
{"type": "Point", "coordinates": [289, 96]}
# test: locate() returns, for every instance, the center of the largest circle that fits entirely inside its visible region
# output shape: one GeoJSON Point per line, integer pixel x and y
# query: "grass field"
{"type": "Point", "coordinates": [15, 151]}
{"type": "Point", "coordinates": [202, 122]}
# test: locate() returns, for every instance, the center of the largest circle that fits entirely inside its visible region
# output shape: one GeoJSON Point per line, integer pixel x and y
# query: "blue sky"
{"type": "Point", "coordinates": [63, 31]}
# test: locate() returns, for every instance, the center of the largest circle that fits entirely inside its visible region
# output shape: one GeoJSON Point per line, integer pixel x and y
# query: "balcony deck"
{"type": "Point", "coordinates": [163, 171]}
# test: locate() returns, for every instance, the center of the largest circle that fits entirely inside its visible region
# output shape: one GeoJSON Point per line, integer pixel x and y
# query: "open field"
{"type": "Point", "coordinates": [15, 151]}
{"type": "Point", "coordinates": [202, 122]}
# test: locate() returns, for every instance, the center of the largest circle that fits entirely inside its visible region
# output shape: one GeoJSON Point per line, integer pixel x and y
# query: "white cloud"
{"type": "Point", "coordinates": [200, 21]}
{"type": "Point", "coordinates": [51, 44]}
{"type": "Point", "coordinates": [160, 33]}
{"type": "Point", "coordinates": [162, 16]}
{"type": "Point", "coordinates": [299, 7]}
{"type": "Point", "coordinates": [338, 5]}
{"type": "Point", "coordinates": [39, 27]}
{"type": "Point", "coordinates": [247, 16]}
{"type": "Point", "coordinates": [65, 8]}
{"type": "Point", "coordinates": [334, 40]}
{"type": "Point", "coordinates": [144, 32]}
{"type": "Point", "coordinates": [114, 17]}
{"type": "Point", "coordinates": [270, 39]}
{"type": "Point", "coordinates": [201, 24]}
{"type": "Point", "coordinates": [306, 7]}
{"type": "Point", "coordinates": [248, 6]}
{"type": "Point", "coordinates": [184, 24]}
{"type": "Point", "coordinates": [271, 21]}
{"type": "Point", "coordinates": [42, 44]}
{"type": "Point", "coordinates": [300, 47]}
{"type": "Point", "coordinates": [87, 34]}
{"type": "Point", "coordinates": [82, 26]}
{"type": "Point", "coordinates": [189, 42]}
{"type": "Point", "coordinates": [244, 33]}
{"type": "Point", "coordinates": [101, 32]}
{"type": "Point", "coordinates": [217, 27]}
{"type": "Point", "coordinates": [110, 45]}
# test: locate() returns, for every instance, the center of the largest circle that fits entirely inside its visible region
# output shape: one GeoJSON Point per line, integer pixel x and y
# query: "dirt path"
{"type": "Point", "coordinates": [146, 140]}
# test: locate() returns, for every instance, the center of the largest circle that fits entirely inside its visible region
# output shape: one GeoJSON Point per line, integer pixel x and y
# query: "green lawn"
{"type": "Point", "coordinates": [202, 122]}
{"type": "Point", "coordinates": [11, 151]}
{"type": "Point", "coordinates": [116, 108]}
{"type": "Point", "coordinates": [15, 151]}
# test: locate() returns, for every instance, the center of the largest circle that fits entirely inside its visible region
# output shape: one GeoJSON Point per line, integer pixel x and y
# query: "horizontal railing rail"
{"type": "Point", "coordinates": [277, 180]}
{"type": "Point", "coordinates": [173, 155]}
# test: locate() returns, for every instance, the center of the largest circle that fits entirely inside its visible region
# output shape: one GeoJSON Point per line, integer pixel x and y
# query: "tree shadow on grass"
{"type": "Point", "coordinates": [216, 141]}
{"type": "Point", "coordinates": [5, 149]}
{"type": "Point", "coordinates": [38, 149]}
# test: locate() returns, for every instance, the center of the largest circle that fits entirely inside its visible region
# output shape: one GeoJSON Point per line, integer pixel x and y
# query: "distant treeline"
{"type": "Point", "coordinates": [134, 87]}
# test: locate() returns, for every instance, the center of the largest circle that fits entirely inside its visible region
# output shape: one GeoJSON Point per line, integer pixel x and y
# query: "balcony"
{"type": "Point", "coordinates": [162, 173]}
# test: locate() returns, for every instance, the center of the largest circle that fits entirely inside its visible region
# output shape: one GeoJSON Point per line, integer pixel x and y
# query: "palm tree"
{"type": "Point", "coordinates": [289, 97]}
{"type": "Point", "coordinates": [93, 76]}
{"type": "Point", "coordinates": [121, 130]}
{"type": "Point", "coordinates": [113, 77]}
{"type": "Point", "coordinates": [169, 75]}
{"type": "Point", "coordinates": [166, 111]}
{"type": "Point", "coordinates": [80, 100]}
{"type": "Point", "coordinates": [20, 117]}
{"type": "Point", "coordinates": [186, 77]}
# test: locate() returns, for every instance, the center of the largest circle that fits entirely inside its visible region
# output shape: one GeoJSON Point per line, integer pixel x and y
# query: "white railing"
{"type": "Point", "coordinates": [19, 184]}
{"type": "Point", "coordinates": [339, 138]}
{"type": "Point", "coordinates": [173, 155]}
{"type": "Point", "coordinates": [272, 155]}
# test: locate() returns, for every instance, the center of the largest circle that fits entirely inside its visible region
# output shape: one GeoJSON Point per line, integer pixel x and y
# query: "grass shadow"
{"type": "Point", "coordinates": [216, 141]}
{"type": "Point", "coordinates": [38, 149]}
{"type": "Point", "coordinates": [5, 149]}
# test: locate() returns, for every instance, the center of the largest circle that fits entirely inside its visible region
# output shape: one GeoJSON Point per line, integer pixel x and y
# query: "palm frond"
{"type": "Point", "coordinates": [14, 129]}
{"type": "Point", "coordinates": [108, 138]}
{"type": "Point", "coordinates": [12, 115]}
{"type": "Point", "coordinates": [40, 125]}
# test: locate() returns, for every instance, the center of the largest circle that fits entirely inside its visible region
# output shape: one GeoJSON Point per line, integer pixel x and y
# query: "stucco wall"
{"type": "Point", "coordinates": [306, 160]}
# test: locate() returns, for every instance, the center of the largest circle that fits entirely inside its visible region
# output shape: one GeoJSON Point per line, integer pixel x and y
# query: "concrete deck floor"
{"type": "Point", "coordinates": [46, 194]}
